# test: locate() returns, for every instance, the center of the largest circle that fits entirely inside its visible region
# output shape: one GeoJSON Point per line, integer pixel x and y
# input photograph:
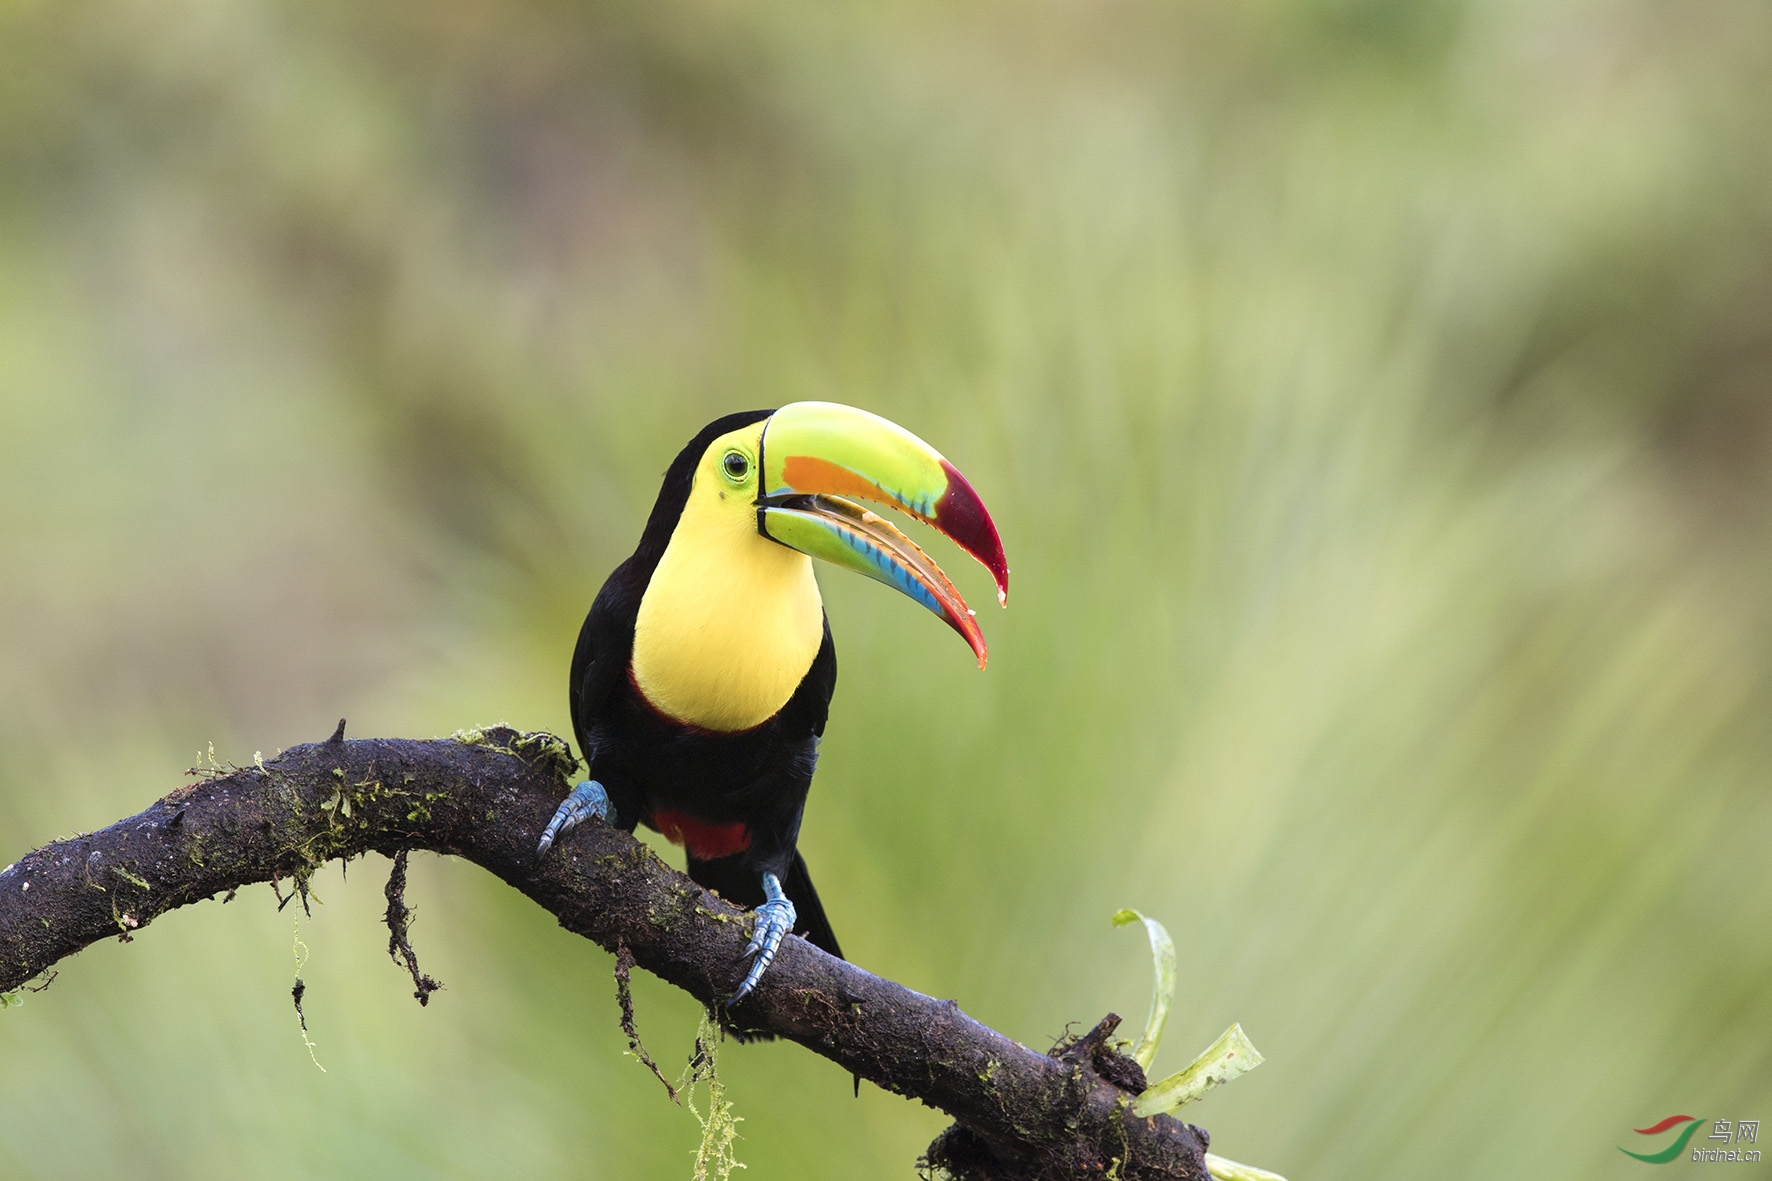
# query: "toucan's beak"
{"type": "Point", "coordinates": [817, 456]}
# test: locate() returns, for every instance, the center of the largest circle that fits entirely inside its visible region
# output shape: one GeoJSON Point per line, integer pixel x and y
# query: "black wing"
{"type": "Point", "coordinates": [600, 660]}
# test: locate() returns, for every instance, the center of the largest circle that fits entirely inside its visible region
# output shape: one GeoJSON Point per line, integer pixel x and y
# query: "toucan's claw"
{"type": "Point", "coordinates": [587, 799]}
{"type": "Point", "coordinates": [775, 918]}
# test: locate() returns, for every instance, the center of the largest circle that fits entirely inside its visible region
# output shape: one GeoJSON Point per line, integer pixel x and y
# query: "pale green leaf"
{"type": "Point", "coordinates": [1230, 1170]}
{"type": "Point", "coordinates": [1231, 1055]}
{"type": "Point", "coordinates": [1163, 986]}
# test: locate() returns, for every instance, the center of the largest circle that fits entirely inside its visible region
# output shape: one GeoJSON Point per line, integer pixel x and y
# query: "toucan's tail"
{"type": "Point", "coordinates": [811, 923]}
{"type": "Point", "coordinates": [736, 883]}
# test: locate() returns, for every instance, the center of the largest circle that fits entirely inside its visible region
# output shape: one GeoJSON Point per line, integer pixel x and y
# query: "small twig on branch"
{"type": "Point", "coordinates": [483, 796]}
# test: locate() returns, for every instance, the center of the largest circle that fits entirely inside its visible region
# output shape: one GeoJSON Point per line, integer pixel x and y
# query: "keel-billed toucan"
{"type": "Point", "coordinates": [704, 671]}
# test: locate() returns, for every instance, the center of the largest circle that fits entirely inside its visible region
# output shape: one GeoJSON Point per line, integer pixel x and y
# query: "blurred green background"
{"type": "Point", "coordinates": [1375, 398]}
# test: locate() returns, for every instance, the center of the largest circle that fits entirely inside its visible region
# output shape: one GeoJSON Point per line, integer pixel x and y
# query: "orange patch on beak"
{"type": "Point", "coordinates": [809, 473]}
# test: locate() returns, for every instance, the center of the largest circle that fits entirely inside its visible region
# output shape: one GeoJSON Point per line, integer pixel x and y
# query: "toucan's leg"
{"type": "Point", "coordinates": [775, 918]}
{"type": "Point", "coordinates": [587, 799]}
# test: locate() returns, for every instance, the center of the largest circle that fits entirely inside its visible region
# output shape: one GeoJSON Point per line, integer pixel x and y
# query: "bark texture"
{"type": "Point", "coordinates": [485, 796]}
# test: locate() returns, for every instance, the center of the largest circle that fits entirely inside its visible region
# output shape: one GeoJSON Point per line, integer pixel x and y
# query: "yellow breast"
{"type": "Point", "coordinates": [731, 621]}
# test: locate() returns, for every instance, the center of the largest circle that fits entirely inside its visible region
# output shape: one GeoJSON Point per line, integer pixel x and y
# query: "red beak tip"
{"type": "Point", "coordinates": [974, 638]}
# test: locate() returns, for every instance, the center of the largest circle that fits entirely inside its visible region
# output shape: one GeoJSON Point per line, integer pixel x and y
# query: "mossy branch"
{"type": "Point", "coordinates": [484, 796]}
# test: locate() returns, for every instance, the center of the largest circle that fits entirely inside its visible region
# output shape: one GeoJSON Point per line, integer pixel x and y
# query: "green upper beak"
{"type": "Point", "coordinates": [819, 456]}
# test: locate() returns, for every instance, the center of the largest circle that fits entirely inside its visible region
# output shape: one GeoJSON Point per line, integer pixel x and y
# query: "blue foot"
{"type": "Point", "coordinates": [775, 918]}
{"type": "Point", "coordinates": [587, 799]}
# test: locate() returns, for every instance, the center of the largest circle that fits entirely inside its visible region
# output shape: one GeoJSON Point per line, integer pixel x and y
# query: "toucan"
{"type": "Point", "coordinates": [703, 673]}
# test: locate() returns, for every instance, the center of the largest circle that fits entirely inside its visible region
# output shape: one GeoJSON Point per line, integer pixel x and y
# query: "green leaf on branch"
{"type": "Point", "coordinates": [1231, 1055]}
{"type": "Point", "coordinates": [1162, 989]}
{"type": "Point", "coordinates": [1230, 1170]}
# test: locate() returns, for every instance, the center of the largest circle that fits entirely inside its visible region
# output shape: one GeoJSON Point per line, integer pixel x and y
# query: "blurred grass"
{"type": "Point", "coordinates": [1373, 398]}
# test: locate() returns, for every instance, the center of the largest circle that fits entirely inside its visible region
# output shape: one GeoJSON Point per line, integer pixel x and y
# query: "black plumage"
{"type": "Point", "coordinates": [670, 775]}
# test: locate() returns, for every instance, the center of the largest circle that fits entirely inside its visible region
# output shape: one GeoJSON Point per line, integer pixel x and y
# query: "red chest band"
{"type": "Point", "coordinates": [704, 841]}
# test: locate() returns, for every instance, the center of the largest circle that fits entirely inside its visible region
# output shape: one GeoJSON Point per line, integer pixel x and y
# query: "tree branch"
{"type": "Point", "coordinates": [485, 796]}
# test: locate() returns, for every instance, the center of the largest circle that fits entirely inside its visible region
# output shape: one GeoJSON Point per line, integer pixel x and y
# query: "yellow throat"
{"type": "Point", "coordinates": [731, 621]}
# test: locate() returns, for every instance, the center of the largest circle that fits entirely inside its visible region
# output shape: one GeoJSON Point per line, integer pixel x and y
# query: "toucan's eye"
{"type": "Point", "coordinates": [736, 465]}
